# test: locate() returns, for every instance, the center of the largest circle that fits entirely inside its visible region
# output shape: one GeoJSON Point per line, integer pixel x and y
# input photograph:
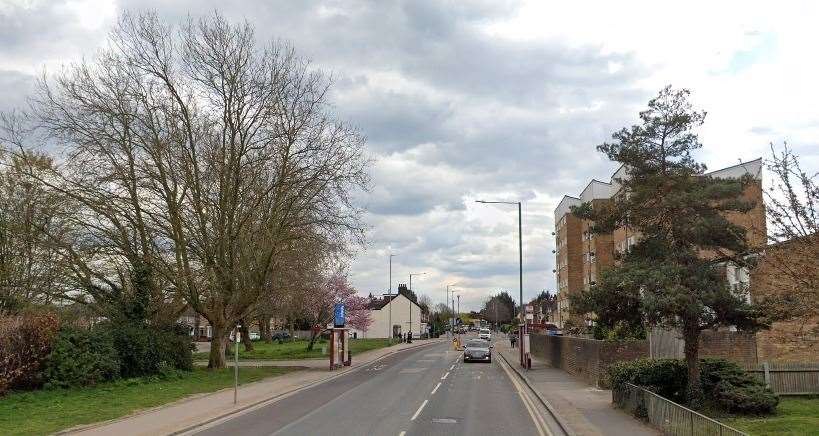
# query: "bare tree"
{"type": "Point", "coordinates": [195, 156]}
{"type": "Point", "coordinates": [792, 206]}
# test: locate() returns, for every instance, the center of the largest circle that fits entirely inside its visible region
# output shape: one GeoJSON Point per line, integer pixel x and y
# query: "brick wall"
{"type": "Point", "coordinates": [736, 346]}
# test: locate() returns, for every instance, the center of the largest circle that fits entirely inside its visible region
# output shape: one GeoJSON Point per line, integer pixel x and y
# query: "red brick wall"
{"type": "Point", "coordinates": [736, 346]}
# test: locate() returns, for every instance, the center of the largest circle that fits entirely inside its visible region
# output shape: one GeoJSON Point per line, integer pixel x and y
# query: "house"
{"type": "Point", "coordinates": [396, 309]}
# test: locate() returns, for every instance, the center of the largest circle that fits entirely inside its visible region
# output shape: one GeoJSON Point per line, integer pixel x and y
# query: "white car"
{"type": "Point", "coordinates": [484, 334]}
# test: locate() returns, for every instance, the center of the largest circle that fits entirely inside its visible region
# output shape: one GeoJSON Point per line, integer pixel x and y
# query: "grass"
{"type": "Point", "coordinates": [794, 416]}
{"type": "Point", "coordinates": [298, 349]}
{"type": "Point", "coordinates": [47, 411]}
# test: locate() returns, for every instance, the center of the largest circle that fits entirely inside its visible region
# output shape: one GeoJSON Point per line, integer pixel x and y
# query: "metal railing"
{"type": "Point", "coordinates": [668, 416]}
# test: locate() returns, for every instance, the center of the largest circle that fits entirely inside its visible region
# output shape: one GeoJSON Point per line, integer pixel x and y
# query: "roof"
{"type": "Point", "coordinates": [564, 206]}
{"type": "Point", "coordinates": [380, 303]}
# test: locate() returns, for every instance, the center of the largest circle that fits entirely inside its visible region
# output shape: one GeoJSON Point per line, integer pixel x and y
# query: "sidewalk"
{"type": "Point", "coordinates": [181, 415]}
{"type": "Point", "coordinates": [586, 410]}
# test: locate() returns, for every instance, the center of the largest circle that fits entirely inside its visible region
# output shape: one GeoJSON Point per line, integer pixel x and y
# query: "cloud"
{"type": "Point", "coordinates": [489, 99]}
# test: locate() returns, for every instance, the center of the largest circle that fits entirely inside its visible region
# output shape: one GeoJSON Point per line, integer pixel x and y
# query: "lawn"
{"type": "Point", "coordinates": [794, 416]}
{"type": "Point", "coordinates": [298, 349]}
{"type": "Point", "coordinates": [47, 411]}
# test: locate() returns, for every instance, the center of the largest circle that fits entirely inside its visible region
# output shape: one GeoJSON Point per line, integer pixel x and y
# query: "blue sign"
{"type": "Point", "coordinates": [338, 315]}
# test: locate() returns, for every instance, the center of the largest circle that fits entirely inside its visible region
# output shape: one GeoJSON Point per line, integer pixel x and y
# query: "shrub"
{"type": "Point", "coordinates": [82, 358]}
{"type": "Point", "coordinates": [142, 349]}
{"type": "Point", "coordinates": [725, 385]}
{"type": "Point", "coordinates": [731, 389]}
{"type": "Point", "coordinates": [25, 342]}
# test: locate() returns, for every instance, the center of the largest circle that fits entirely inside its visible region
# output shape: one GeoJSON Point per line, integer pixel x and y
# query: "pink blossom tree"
{"type": "Point", "coordinates": [318, 305]}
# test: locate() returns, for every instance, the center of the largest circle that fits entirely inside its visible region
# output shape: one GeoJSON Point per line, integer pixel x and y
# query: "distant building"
{"type": "Point", "coordinates": [404, 314]}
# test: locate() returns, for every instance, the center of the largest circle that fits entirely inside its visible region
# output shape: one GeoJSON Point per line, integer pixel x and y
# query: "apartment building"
{"type": "Point", "coordinates": [580, 255]}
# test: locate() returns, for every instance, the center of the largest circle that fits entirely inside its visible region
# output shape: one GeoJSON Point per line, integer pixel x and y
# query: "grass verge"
{"type": "Point", "coordinates": [298, 350]}
{"type": "Point", "coordinates": [794, 416]}
{"type": "Point", "coordinates": [48, 411]}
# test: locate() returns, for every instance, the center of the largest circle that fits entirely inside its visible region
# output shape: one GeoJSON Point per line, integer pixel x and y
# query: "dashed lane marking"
{"type": "Point", "coordinates": [436, 388]}
{"type": "Point", "coordinates": [445, 376]}
{"type": "Point", "coordinates": [418, 412]}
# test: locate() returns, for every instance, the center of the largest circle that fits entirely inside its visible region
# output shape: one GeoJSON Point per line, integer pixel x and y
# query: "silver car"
{"type": "Point", "coordinates": [477, 350]}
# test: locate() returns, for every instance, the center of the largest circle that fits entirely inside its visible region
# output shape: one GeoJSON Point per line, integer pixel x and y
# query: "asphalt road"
{"type": "Point", "coordinates": [426, 391]}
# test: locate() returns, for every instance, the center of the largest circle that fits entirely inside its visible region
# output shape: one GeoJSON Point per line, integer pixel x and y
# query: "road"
{"type": "Point", "coordinates": [426, 391]}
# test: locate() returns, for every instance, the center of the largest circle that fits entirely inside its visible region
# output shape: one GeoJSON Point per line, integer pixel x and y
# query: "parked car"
{"type": "Point", "coordinates": [254, 336]}
{"type": "Point", "coordinates": [280, 335]}
{"type": "Point", "coordinates": [477, 350]}
{"type": "Point", "coordinates": [484, 334]}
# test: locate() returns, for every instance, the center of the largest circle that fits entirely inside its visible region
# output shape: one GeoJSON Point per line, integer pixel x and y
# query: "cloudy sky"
{"type": "Point", "coordinates": [496, 100]}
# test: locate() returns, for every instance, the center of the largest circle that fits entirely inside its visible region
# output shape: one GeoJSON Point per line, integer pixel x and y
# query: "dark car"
{"type": "Point", "coordinates": [280, 335]}
{"type": "Point", "coordinates": [477, 350]}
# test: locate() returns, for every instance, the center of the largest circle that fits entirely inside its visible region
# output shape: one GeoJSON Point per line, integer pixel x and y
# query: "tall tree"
{"type": "Point", "coordinates": [677, 267]}
{"type": "Point", "coordinates": [195, 155]}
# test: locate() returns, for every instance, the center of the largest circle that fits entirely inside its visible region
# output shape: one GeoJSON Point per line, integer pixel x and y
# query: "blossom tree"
{"type": "Point", "coordinates": [318, 305]}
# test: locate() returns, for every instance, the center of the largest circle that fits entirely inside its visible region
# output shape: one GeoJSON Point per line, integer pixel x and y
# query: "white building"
{"type": "Point", "coordinates": [404, 314]}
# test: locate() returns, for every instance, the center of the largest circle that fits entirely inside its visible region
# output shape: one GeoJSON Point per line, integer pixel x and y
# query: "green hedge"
{"type": "Point", "coordinates": [726, 386]}
{"type": "Point", "coordinates": [81, 358]}
{"type": "Point", "coordinates": [143, 350]}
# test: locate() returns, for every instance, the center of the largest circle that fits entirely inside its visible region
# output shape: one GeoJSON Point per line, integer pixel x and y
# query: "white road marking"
{"type": "Point", "coordinates": [436, 388]}
{"type": "Point", "coordinates": [403, 433]}
{"type": "Point", "coordinates": [445, 376]}
{"type": "Point", "coordinates": [452, 367]}
{"type": "Point", "coordinates": [418, 412]}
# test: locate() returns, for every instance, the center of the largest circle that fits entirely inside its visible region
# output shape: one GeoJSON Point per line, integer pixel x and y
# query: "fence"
{"type": "Point", "coordinates": [668, 416]}
{"type": "Point", "coordinates": [788, 378]}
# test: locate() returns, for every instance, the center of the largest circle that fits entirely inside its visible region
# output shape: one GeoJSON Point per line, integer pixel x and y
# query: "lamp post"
{"type": "Point", "coordinates": [520, 264]}
{"type": "Point", "coordinates": [446, 303]}
{"type": "Point", "coordinates": [410, 305]}
{"type": "Point", "coordinates": [520, 248]}
{"type": "Point", "coordinates": [389, 327]}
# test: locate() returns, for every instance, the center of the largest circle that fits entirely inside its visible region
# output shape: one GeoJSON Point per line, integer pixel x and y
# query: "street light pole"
{"type": "Point", "coordinates": [410, 305]}
{"type": "Point", "coordinates": [389, 327]}
{"type": "Point", "coordinates": [520, 249]}
{"type": "Point", "coordinates": [446, 304]}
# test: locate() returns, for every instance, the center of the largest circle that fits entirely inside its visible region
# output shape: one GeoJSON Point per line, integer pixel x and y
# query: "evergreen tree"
{"type": "Point", "coordinates": [674, 276]}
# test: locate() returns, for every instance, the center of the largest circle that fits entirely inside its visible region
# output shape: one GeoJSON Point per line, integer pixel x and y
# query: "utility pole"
{"type": "Point", "coordinates": [410, 305]}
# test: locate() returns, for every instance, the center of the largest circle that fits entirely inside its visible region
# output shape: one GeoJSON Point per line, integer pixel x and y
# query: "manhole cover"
{"type": "Point", "coordinates": [444, 421]}
{"type": "Point", "coordinates": [412, 370]}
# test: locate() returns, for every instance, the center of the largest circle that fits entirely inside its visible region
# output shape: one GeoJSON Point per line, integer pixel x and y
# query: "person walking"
{"type": "Point", "coordinates": [513, 339]}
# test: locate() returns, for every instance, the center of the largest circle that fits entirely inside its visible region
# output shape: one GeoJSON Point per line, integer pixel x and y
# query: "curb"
{"type": "Point", "coordinates": [273, 398]}
{"type": "Point", "coordinates": [558, 418]}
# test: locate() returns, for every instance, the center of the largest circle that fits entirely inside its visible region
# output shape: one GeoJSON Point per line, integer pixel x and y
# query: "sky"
{"type": "Point", "coordinates": [493, 100]}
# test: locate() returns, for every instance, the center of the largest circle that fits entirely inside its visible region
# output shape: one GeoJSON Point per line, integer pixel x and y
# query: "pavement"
{"type": "Point", "coordinates": [584, 409]}
{"type": "Point", "coordinates": [190, 412]}
{"type": "Point", "coordinates": [427, 391]}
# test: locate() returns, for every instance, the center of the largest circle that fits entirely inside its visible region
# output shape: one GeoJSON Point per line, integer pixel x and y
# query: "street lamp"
{"type": "Point", "coordinates": [446, 303]}
{"type": "Point", "coordinates": [410, 305]}
{"type": "Point", "coordinates": [520, 271]}
{"type": "Point", "coordinates": [389, 327]}
{"type": "Point", "coordinates": [520, 247]}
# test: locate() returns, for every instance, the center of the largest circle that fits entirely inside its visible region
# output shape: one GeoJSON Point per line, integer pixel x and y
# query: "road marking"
{"type": "Point", "coordinates": [436, 388]}
{"type": "Point", "coordinates": [452, 367]}
{"type": "Point", "coordinates": [403, 433]}
{"type": "Point", "coordinates": [445, 376]}
{"type": "Point", "coordinates": [540, 425]}
{"type": "Point", "coordinates": [418, 412]}
{"type": "Point", "coordinates": [444, 421]}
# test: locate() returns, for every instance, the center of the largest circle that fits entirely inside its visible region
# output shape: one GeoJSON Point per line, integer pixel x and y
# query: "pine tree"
{"type": "Point", "coordinates": [674, 276]}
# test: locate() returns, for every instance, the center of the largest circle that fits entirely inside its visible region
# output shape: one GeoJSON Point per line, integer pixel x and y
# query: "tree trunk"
{"type": "Point", "coordinates": [216, 360]}
{"type": "Point", "coordinates": [245, 329]}
{"type": "Point", "coordinates": [313, 336]}
{"type": "Point", "coordinates": [264, 329]}
{"type": "Point", "coordinates": [291, 331]}
{"type": "Point", "coordinates": [691, 337]}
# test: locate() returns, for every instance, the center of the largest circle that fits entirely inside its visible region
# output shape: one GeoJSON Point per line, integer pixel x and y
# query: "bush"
{"type": "Point", "coordinates": [142, 349]}
{"type": "Point", "coordinates": [726, 386]}
{"type": "Point", "coordinates": [82, 358]}
{"type": "Point", "coordinates": [25, 342]}
{"type": "Point", "coordinates": [731, 389]}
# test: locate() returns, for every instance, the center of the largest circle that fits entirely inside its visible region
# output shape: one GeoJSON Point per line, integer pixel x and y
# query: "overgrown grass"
{"type": "Point", "coordinates": [48, 411]}
{"type": "Point", "coordinates": [298, 349]}
{"type": "Point", "coordinates": [794, 416]}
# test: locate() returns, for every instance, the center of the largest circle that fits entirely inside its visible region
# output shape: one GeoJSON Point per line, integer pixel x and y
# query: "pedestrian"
{"type": "Point", "coordinates": [513, 339]}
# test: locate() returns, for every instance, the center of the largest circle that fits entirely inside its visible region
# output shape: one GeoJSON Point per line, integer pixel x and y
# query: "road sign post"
{"type": "Point", "coordinates": [237, 338]}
